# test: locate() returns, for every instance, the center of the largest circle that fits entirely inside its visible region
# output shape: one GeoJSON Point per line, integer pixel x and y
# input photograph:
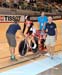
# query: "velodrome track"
{"type": "Point", "coordinates": [4, 48]}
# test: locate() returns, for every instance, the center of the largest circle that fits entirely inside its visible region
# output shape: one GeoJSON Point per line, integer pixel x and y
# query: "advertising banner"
{"type": "Point", "coordinates": [10, 18]}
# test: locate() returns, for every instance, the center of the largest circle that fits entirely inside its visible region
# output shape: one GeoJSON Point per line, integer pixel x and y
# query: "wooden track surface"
{"type": "Point", "coordinates": [4, 48]}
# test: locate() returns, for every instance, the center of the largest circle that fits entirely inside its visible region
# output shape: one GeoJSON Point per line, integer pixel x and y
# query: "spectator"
{"type": "Point", "coordinates": [28, 1]}
{"type": "Point", "coordinates": [4, 4]}
{"type": "Point", "coordinates": [16, 4]}
{"type": "Point", "coordinates": [0, 2]}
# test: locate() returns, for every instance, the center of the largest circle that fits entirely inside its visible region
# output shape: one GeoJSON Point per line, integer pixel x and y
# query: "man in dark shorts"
{"type": "Point", "coordinates": [10, 34]}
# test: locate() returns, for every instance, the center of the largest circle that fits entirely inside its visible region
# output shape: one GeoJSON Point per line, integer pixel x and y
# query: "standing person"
{"type": "Point", "coordinates": [10, 35]}
{"type": "Point", "coordinates": [42, 20]}
{"type": "Point", "coordinates": [51, 38]}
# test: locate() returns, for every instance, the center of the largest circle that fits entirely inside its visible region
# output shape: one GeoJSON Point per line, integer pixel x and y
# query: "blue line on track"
{"type": "Point", "coordinates": [35, 67]}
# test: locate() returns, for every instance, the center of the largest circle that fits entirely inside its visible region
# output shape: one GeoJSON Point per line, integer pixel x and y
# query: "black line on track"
{"type": "Point", "coordinates": [15, 63]}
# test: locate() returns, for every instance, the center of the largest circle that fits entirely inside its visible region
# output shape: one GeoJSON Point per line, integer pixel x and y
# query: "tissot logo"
{"type": "Point", "coordinates": [11, 18]}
